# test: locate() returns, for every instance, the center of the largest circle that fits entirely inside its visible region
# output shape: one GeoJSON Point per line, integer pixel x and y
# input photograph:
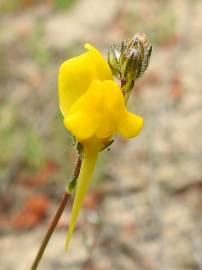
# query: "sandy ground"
{"type": "Point", "coordinates": [150, 212]}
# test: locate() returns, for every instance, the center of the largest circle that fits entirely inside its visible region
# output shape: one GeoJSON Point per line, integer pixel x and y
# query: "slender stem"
{"type": "Point", "coordinates": [50, 230]}
{"type": "Point", "coordinates": [55, 219]}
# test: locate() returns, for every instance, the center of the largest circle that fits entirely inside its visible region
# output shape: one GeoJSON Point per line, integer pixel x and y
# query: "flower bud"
{"type": "Point", "coordinates": [113, 60]}
{"type": "Point", "coordinates": [129, 60]}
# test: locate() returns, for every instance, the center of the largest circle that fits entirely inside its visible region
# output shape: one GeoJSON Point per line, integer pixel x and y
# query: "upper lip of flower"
{"type": "Point", "coordinates": [76, 75]}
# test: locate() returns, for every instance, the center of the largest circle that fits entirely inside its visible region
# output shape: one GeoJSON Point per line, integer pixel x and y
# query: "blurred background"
{"type": "Point", "coordinates": [144, 210]}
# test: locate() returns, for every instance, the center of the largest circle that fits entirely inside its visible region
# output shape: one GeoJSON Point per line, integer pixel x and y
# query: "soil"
{"type": "Point", "coordinates": [144, 210]}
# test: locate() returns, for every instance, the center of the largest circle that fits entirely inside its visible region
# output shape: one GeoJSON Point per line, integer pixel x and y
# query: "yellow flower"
{"type": "Point", "coordinates": [94, 109]}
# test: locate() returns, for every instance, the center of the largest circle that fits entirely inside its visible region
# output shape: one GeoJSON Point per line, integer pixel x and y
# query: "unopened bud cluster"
{"type": "Point", "coordinates": [129, 60]}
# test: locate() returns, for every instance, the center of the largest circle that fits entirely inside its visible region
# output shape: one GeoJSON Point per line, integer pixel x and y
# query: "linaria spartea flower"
{"type": "Point", "coordinates": [94, 110]}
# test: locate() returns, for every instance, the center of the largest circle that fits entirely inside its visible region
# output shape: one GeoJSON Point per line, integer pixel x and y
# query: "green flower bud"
{"type": "Point", "coordinates": [129, 60]}
{"type": "Point", "coordinates": [113, 60]}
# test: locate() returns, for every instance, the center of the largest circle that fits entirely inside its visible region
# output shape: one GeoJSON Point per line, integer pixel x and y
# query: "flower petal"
{"type": "Point", "coordinates": [101, 112]}
{"type": "Point", "coordinates": [76, 75]}
{"type": "Point", "coordinates": [84, 115]}
{"type": "Point", "coordinates": [80, 125]}
{"type": "Point", "coordinates": [131, 125]}
{"type": "Point", "coordinates": [112, 108]}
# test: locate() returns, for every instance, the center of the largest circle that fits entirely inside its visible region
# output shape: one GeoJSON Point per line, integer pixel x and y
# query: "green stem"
{"type": "Point", "coordinates": [55, 219]}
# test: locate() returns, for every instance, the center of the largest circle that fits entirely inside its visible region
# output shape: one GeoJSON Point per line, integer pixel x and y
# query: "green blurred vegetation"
{"type": "Point", "coordinates": [19, 139]}
{"type": "Point", "coordinates": [63, 4]}
{"type": "Point", "coordinates": [36, 46]}
{"type": "Point", "coordinates": [9, 6]}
